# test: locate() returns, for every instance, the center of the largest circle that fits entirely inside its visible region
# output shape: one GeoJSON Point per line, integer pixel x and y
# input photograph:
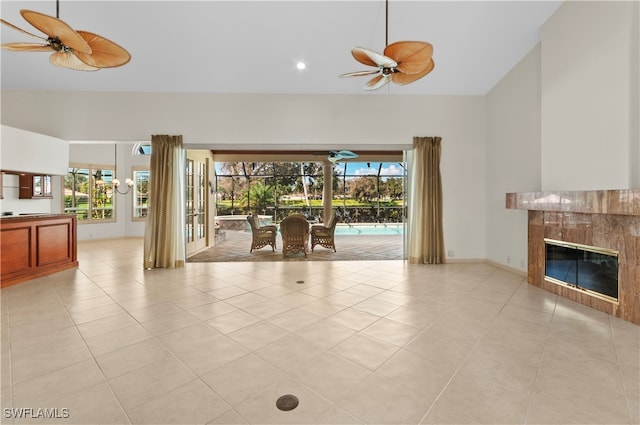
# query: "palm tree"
{"type": "Point", "coordinates": [259, 197]}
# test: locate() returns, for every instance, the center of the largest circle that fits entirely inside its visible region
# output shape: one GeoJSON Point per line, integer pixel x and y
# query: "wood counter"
{"type": "Point", "coordinates": [36, 245]}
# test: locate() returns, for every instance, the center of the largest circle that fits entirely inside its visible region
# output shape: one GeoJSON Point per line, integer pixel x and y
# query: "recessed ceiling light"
{"type": "Point", "coordinates": [301, 65]}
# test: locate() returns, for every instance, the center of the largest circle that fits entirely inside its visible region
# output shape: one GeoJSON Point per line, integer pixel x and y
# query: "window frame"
{"type": "Point", "coordinates": [108, 187]}
{"type": "Point", "coordinates": [134, 205]}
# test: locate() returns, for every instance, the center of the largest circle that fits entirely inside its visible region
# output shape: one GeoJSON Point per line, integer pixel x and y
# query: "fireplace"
{"type": "Point", "coordinates": [585, 268]}
{"type": "Point", "coordinates": [575, 237]}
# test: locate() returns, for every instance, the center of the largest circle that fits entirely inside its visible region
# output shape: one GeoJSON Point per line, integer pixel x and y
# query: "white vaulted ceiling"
{"type": "Point", "coordinates": [253, 46]}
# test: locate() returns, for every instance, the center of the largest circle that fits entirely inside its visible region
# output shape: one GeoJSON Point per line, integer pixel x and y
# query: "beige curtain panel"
{"type": "Point", "coordinates": [164, 245]}
{"type": "Point", "coordinates": [426, 236]}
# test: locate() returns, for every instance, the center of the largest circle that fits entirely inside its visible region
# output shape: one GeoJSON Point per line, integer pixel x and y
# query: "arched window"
{"type": "Point", "coordinates": [141, 149]}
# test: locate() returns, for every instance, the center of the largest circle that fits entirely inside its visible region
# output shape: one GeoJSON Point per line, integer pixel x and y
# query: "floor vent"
{"type": "Point", "coordinates": [287, 402]}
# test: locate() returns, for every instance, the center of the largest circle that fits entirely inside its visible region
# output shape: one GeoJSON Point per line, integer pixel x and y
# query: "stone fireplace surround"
{"type": "Point", "coordinates": [602, 218]}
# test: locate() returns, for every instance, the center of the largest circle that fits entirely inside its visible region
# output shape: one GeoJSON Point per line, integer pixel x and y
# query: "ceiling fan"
{"type": "Point", "coordinates": [335, 156]}
{"type": "Point", "coordinates": [79, 50]}
{"type": "Point", "coordinates": [402, 62]}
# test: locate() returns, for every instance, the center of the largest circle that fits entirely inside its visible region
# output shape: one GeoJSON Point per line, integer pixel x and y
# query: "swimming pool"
{"type": "Point", "coordinates": [359, 229]}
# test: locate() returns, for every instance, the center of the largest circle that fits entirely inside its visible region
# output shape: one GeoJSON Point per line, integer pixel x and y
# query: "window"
{"type": "Point", "coordinates": [142, 149]}
{"type": "Point", "coordinates": [35, 186]}
{"type": "Point", "coordinates": [88, 193]}
{"type": "Point", "coordinates": [140, 193]}
{"type": "Point", "coordinates": [42, 186]}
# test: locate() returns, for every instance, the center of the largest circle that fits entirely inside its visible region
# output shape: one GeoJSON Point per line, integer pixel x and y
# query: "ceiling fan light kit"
{"type": "Point", "coordinates": [78, 50]}
{"type": "Point", "coordinates": [402, 62]}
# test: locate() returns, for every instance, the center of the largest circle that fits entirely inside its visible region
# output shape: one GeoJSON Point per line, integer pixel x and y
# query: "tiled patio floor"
{"type": "Point", "coordinates": [237, 244]}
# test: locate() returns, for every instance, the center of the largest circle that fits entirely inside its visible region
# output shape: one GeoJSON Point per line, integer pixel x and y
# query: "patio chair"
{"type": "Point", "coordinates": [323, 234]}
{"type": "Point", "coordinates": [261, 235]}
{"type": "Point", "coordinates": [295, 234]}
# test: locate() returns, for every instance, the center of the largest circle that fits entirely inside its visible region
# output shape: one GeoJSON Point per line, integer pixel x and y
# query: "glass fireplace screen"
{"type": "Point", "coordinates": [583, 267]}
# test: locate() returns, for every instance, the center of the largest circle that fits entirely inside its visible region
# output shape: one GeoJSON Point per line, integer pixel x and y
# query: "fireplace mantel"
{"type": "Point", "coordinates": [617, 202]}
{"type": "Point", "coordinates": [607, 219]}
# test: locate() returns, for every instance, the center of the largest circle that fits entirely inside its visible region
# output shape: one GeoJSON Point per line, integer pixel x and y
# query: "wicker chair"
{"type": "Point", "coordinates": [295, 234]}
{"type": "Point", "coordinates": [322, 234]}
{"type": "Point", "coordinates": [261, 235]}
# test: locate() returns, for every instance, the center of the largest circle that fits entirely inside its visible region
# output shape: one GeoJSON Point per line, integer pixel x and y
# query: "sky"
{"type": "Point", "coordinates": [361, 169]}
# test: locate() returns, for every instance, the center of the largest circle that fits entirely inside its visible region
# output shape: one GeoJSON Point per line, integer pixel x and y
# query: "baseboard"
{"type": "Point", "coordinates": [509, 269]}
{"type": "Point", "coordinates": [110, 238]}
{"type": "Point", "coordinates": [465, 260]}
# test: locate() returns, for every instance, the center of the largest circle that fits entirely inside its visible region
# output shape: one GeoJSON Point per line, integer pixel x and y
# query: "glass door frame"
{"type": "Point", "coordinates": [196, 226]}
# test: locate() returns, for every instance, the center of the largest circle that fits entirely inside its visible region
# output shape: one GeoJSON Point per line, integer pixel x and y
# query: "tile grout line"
{"type": "Point", "coordinates": [8, 294]}
{"type": "Point", "coordinates": [542, 354]}
{"type": "Point", "coordinates": [325, 350]}
{"type": "Point", "coordinates": [75, 325]}
{"type": "Point", "coordinates": [462, 363]}
{"type": "Point", "coordinates": [622, 381]}
{"type": "Point", "coordinates": [157, 339]}
{"type": "Point", "coordinates": [289, 375]}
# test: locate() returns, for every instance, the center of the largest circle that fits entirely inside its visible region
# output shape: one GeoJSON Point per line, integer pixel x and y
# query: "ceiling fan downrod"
{"type": "Point", "coordinates": [386, 23]}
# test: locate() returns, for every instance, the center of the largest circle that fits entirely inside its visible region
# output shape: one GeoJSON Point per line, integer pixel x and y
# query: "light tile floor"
{"type": "Point", "coordinates": [375, 342]}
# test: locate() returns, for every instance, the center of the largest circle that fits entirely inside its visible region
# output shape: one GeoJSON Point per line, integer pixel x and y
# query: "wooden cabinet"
{"type": "Point", "coordinates": [34, 246]}
{"type": "Point", "coordinates": [35, 186]}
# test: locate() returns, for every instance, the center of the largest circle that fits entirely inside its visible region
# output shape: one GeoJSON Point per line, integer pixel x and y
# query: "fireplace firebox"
{"type": "Point", "coordinates": [585, 268]}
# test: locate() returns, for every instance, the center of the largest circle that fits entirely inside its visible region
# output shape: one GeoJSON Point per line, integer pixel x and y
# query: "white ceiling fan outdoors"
{"type": "Point", "coordinates": [335, 156]}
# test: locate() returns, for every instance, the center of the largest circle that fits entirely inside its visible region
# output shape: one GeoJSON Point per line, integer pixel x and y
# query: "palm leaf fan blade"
{"type": "Point", "coordinates": [69, 60]}
{"type": "Point", "coordinates": [9, 24]}
{"type": "Point", "coordinates": [57, 29]}
{"type": "Point", "coordinates": [104, 53]}
{"type": "Point", "coordinates": [360, 73]}
{"type": "Point", "coordinates": [402, 79]}
{"type": "Point", "coordinates": [26, 47]}
{"type": "Point", "coordinates": [412, 56]}
{"type": "Point", "coordinates": [371, 58]}
{"type": "Point", "coordinates": [377, 82]}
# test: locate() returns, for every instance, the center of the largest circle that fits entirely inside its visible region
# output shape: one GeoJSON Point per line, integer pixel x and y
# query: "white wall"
{"type": "Point", "coordinates": [16, 154]}
{"type": "Point", "coordinates": [294, 121]}
{"type": "Point", "coordinates": [512, 158]}
{"type": "Point", "coordinates": [587, 86]}
{"type": "Point", "coordinates": [31, 152]}
{"type": "Point", "coordinates": [12, 203]}
{"type": "Point", "coordinates": [565, 118]}
{"type": "Point", "coordinates": [462, 168]}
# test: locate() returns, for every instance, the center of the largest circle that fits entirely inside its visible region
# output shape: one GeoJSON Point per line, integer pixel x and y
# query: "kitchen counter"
{"type": "Point", "coordinates": [29, 215]}
{"type": "Point", "coordinates": [35, 245]}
